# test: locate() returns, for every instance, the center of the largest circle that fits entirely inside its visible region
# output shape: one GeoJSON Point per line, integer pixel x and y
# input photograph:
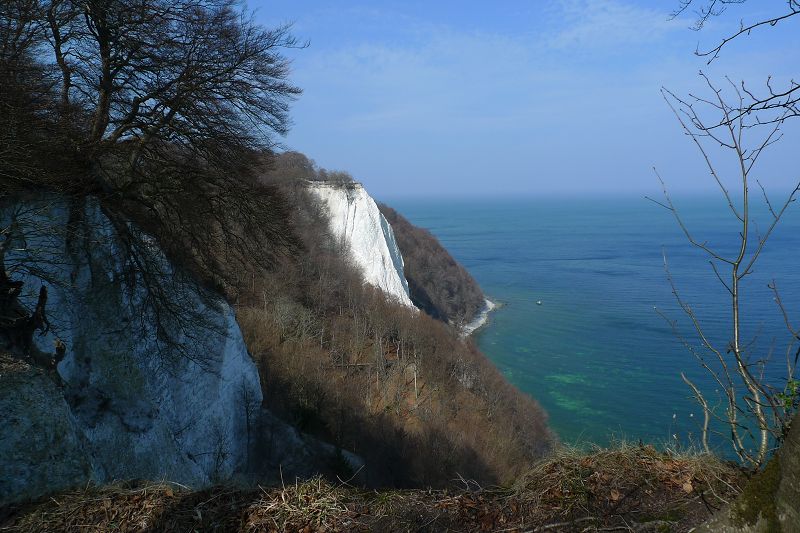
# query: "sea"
{"type": "Point", "coordinates": [588, 324]}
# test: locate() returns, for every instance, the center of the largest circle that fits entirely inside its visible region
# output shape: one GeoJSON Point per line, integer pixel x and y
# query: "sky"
{"type": "Point", "coordinates": [517, 98]}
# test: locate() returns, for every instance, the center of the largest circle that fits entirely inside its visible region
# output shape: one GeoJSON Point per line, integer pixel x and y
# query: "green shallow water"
{"type": "Point", "coordinates": [595, 354]}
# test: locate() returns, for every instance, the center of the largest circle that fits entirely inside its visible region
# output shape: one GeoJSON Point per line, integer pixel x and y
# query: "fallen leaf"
{"type": "Point", "coordinates": [615, 495]}
{"type": "Point", "coordinates": [687, 487]}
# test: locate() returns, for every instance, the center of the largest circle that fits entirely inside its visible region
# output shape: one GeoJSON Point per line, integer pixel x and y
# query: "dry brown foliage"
{"type": "Point", "coordinates": [391, 384]}
{"type": "Point", "coordinates": [437, 283]}
{"type": "Point", "coordinates": [621, 489]}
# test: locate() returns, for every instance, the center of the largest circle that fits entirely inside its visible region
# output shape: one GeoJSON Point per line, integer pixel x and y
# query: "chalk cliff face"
{"type": "Point", "coordinates": [356, 222]}
{"type": "Point", "coordinates": [134, 412]}
{"type": "Point", "coordinates": [41, 449]}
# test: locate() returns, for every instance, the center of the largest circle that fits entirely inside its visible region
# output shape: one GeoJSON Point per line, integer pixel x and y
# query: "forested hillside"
{"type": "Point", "coordinates": [437, 283]}
{"type": "Point", "coordinates": [390, 384]}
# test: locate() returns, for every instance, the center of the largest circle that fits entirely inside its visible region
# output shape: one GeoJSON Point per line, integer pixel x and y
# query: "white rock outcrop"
{"type": "Point", "coordinates": [139, 414]}
{"type": "Point", "coordinates": [41, 448]}
{"type": "Point", "coordinates": [357, 224]}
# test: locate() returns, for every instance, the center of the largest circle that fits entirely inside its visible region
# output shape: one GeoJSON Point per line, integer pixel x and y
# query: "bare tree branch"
{"type": "Point", "coordinates": [752, 397]}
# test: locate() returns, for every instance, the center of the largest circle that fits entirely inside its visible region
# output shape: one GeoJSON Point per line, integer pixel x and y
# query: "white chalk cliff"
{"type": "Point", "coordinates": [127, 411]}
{"type": "Point", "coordinates": [356, 222]}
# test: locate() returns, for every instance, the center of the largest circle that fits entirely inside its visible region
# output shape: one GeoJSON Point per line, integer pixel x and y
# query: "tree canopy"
{"type": "Point", "coordinates": [161, 108]}
{"type": "Point", "coordinates": [163, 111]}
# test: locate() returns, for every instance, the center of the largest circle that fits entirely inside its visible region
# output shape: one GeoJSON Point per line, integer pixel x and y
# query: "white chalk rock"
{"type": "Point", "coordinates": [356, 222]}
{"type": "Point", "coordinates": [140, 413]}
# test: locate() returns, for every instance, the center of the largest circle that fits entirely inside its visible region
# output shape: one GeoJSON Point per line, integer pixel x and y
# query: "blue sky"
{"type": "Point", "coordinates": [515, 97]}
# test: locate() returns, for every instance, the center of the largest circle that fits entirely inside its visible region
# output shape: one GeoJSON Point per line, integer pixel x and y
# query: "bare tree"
{"type": "Point", "coordinates": [181, 98]}
{"type": "Point", "coordinates": [251, 406]}
{"type": "Point", "coordinates": [779, 103]}
{"type": "Point", "coordinates": [162, 112]}
{"type": "Point", "coordinates": [753, 410]}
{"type": "Point", "coordinates": [18, 323]}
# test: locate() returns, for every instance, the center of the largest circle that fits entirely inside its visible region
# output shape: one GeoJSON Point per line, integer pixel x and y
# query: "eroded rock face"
{"type": "Point", "coordinates": [356, 222]}
{"type": "Point", "coordinates": [41, 448]}
{"type": "Point", "coordinates": [139, 412]}
{"type": "Point", "coordinates": [770, 503]}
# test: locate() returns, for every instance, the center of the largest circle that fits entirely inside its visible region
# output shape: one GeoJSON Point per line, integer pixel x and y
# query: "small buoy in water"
{"type": "Point", "coordinates": [538, 302]}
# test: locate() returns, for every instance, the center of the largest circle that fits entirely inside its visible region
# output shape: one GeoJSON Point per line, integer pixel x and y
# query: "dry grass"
{"type": "Point", "coordinates": [626, 488]}
{"type": "Point", "coordinates": [314, 505]}
{"type": "Point", "coordinates": [626, 485]}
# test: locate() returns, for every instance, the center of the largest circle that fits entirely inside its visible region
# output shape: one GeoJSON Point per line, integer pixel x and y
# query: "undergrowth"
{"type": "Point", "coordinates": [628, 488]}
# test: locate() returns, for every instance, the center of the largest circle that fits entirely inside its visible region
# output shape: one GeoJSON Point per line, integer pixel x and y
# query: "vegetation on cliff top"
{"type": "Point", "coordinates": [626, 488]}
{"type": "Point", "coordinates": [163, 115]}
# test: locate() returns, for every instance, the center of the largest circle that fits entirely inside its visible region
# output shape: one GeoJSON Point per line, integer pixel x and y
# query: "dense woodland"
{"type": "Point", "coordinates": [436, 282]}
{"type": "Point", "coordinates": [395, 386]}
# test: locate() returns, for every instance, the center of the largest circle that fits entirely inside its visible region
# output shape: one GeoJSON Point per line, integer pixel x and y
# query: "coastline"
{"type": "Point", "coordinates": [480, 320]}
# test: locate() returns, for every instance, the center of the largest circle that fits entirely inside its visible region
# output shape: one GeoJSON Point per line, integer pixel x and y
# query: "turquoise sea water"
{"type": "Point", "coordinates": [595, 354]}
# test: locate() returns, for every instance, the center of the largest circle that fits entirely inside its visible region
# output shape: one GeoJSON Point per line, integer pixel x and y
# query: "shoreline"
{"type": "Point", "coordinates": [480, 320]}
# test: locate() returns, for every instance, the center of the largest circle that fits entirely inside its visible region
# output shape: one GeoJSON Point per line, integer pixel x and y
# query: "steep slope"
{"type": "Point", "coordinates": [437, 283]}
{"type": "Point", "coordinates": [343, 360]}
{"type": "Point", "coordinates": [358, 226]}
{"type": "Point", "coordinates": [142, 409]}
{"type": "Point", "coordinates": [41, 448]}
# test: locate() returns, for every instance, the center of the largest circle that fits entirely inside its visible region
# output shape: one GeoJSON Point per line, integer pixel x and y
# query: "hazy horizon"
{"type": "Point", "coordinates": [510, 99]}
{"type": "Point", "coordinates": [655, 193]}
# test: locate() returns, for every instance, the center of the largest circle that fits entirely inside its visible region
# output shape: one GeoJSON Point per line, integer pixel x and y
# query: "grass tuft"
{"type": "Point", "coordinates": [623, 487]}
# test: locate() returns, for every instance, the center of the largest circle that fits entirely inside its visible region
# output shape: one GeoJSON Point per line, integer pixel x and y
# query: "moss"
{"type": "Point", "coordinates": [758, 499]}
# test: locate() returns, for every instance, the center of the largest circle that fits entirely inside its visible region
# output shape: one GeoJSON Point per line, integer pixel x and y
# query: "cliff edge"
{"type": "Point", "coordinates": [438, 284]}
{"type": "Point", "coordinates": [365, 235]}
{"type": "Point", "coordinates": [122, 403]}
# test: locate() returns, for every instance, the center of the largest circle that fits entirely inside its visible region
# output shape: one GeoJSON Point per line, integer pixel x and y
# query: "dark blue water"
{"type": "Point", "coordinates": [596, 354]}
